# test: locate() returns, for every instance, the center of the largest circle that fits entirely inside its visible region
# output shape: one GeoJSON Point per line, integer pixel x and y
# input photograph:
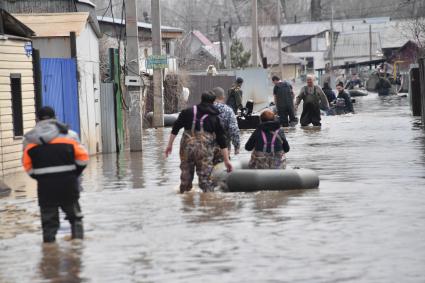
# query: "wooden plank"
{"type": "Point", "coordinates": [23, 72]}
{"type": "Point", "coordinates": [12, 156]}
{"type": "Point", "coordinates": [9, 142]}
{"type": "Point", "coordinates": [6, 104]}
{"type": "Point", "coordinates": [25, 80]}
{"type": "Point", "coordinates": [28, 110]}
{"type": "Point", "coordinates": [15, 58]}
{"type": "Point", "coordinates": [15, 65]}
{"type": "Point", "coordinates": [25, 95]}
{"type": "Point", "coordinates": [13, 148]}
{"type": "Point", "coordinates": [6, 134]}
{"type": "Point", "coordinates": [7, 49]}
{"type": "Point", "coordinates": [14, 43]}
{"type": "Point", "coordinates": [8, 118]}
{"type": "Point", "coordinates": [24, 87]}
{"type": "Point", "coordinates": [9, 126]}
{"type": "Point", "coordinates": [13, 170]}
{"type": "Point", "coordinates": [13, 164]}
{"type": "Point", "coordinates": [28, 102]}
{"type": "Point", "coordinates": [5, 88]}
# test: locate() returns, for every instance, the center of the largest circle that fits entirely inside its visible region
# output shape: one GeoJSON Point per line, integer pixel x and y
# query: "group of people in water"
{"type": "Point", "coordinates": [211, 127]}
{"type": "Point", "coordinates": [54, 156]}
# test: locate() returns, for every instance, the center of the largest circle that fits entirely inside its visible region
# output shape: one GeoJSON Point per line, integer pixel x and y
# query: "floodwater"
{"type": "Point", "coordinates": [364, 224]}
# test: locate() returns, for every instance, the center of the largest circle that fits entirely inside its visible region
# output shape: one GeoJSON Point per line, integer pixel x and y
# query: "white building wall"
{"type": "Point", "coordinates": [318, 57]}
{"type": "Point", "coordinates": [89, 89]}
{"type": "Point", "coordinates": [53, 47]}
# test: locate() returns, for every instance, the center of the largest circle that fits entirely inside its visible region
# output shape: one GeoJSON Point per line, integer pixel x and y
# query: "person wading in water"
{"type": "Point", "coordinates": [268, 143]}
{"type": "Point", "coordinates": [202, 129]}
{"type": "Point", "coordinates": [313, 98]}
{"type": "Point", "coordinates": [234, 96]}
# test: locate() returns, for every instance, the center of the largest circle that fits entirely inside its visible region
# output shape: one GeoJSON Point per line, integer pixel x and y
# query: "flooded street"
{"type": "Point", "coordinates": [364, 224]}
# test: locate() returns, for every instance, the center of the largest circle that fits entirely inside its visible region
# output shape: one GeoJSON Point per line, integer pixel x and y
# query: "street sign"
{"type": "Point", "coordinates": [28, 48]}
{"type": "Point", "coordinates": [157, 62]}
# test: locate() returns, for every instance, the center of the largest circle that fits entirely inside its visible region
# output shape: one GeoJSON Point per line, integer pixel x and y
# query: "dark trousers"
{"type": "Point", "coordinates": [286, 116]}
{"type": "Point", "coordinates": [50, 220]}
{"type": "Point", "coordinates": [311, 114]}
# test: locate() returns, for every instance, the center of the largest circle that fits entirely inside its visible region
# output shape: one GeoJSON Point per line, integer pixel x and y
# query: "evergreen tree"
{"type": "Point", "coordinates": [240, 57]}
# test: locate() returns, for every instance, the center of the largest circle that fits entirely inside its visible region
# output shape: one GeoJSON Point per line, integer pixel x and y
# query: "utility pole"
{"type": "Point", "coordinates": [158, 103]}
{"type": "Point", "coordinates": [133, 80]}
{"type": "Point", "coordinates": [254, 28]}
{"type": "Point", "coordinates": [220, 38]}
{"type": "Point", "coordinates": [279, 38]}
{"type": "Point", "coordinates": [332, 77]}
{"type": "Point", "coordinates": [227, 28]}
{"type": "Point", "coordinates": [370, 42]}
{"type": "Point", "coordinates": [332, 38]}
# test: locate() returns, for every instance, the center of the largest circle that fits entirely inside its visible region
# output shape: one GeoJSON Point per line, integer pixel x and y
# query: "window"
{"type": "Point", "coordinates": [16, 87]}
{"type": "Point", "coordinates": [167, 48]}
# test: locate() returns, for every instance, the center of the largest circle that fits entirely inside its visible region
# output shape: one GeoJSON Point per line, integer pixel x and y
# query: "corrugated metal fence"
{"type": "Point", "coordinates": [109, 143]}
{"type": "Point", "coordinates": [201, 83]}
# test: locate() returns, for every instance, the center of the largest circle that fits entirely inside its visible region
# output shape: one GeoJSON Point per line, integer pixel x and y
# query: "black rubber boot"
{"type": "Point", "coordinates": [77, 230]}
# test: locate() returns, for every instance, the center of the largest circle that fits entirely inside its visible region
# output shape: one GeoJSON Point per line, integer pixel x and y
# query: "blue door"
{"type": "Point", "coordinates": [59, 81]}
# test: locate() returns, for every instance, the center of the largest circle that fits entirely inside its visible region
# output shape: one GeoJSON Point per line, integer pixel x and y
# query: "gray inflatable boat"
{"type": "Point", "coordinates": [243, 179]}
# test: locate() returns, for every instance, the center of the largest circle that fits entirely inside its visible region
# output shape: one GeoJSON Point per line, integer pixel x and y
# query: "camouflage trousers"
{"type": "Point", "coordinates": [218, 156]}
{"type": "Point", "coordinates": [196, 152]}
{"type": "Point", "coordinates": [267, 160]}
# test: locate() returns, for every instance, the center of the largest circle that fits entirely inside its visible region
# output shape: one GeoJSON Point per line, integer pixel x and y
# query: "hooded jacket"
{"type": "Point", "coordinates": [255, 141]}
{"type": "Point", "coordinates": [55, 158]}
{"type": "Point", "coordinates": [211, 123]}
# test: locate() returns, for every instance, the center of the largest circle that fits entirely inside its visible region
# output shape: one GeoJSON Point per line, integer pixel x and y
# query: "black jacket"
{"type": "Point", "coordinates": [284, 95]}
{"type": "Point", "coordinates": [55, 159]}
{"type": "Point", "coordinates": [330, 94]}
{"type": "Point", "coordinates": [256, 142]}
{"type": "Point", "coordinates": [211, 123]}
{"type": "Point", "coordinates": [348, 105]}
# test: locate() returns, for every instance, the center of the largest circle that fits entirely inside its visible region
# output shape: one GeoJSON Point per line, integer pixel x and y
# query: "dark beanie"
{"type": "Point", "coordinates": [341, 84]}
{"type": "Point", "coordinates": [46, 112]}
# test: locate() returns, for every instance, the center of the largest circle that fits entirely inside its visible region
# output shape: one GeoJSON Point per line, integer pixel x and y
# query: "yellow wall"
{"type": "Point", "coordinates": [14, 60]}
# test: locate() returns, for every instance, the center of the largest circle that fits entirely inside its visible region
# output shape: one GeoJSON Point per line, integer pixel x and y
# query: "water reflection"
{"type": "Point", "coordinates": [205, 207]}
{"type": "Point", "coordinates": [61, 263]}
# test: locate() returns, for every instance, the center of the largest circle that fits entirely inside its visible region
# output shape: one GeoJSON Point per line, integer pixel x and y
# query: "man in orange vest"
{"type": "Point", "coordinates": [55, 158]}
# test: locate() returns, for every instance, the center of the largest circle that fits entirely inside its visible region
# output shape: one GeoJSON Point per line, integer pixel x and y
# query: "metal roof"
{"type": "Point", "coordinates": [139, 24]}
{"type": "Point", "coordinates": [54, 24]}
{"type": "Point", "coordinates": [303, 29]}
{"type": "Point", "coordinates": [13, 26]}
{"type": "Point", "coordinates": [270, 51]}
{"type": "Point", "coordinates": [202, 38]}
{"type": "Point", "coordinates": [313, 28]}
{"type": "Point", "coordinates": [356, 45]}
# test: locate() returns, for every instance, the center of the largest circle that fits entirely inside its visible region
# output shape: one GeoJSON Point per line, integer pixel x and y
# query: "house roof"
{"type": "Point", "coordinates": [313, 28]}
{"type": "Point", "coordinates": [55, 24]}
{"type": "Point", "coordinates": [202, 38]}
{"type": "Point", "coordinates": [88, 2]}
{"type": "Point", "coordinates": [212, 50]}
{"type": "Point", "coordinates": [356, 44]}
{"type": "Point", "coordinates": [139, 24]}
{"type": "Point", "coordinates": [270, 51]}
{"type": "Point", "coordinates": [13, 26]}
